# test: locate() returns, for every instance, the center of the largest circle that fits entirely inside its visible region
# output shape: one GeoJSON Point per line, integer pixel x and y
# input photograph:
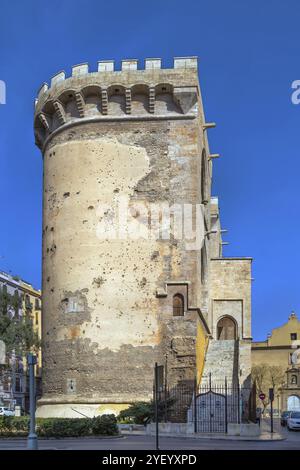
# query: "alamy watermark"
{"type": "Point", "coordinates": [2, 92]}
{"type": "Point", "coordinates": [125, 220]}
{"type": "Point", "coordinates": [295, 97]}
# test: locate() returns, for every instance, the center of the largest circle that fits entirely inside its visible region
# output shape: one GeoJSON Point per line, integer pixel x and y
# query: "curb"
{"type": "Point", "coordinates": [276, 438]}
{"type": "Point", "coordinates": [43, 438]}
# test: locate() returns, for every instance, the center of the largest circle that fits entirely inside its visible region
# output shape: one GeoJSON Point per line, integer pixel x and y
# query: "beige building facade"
{"type": "Point", "coordinates": [14, 392]}
{"type": "Point", "coordinates": [278, 348]}
{"type": "Point", "coordinates": [282, 349]}
{"type": "Point", "coordinates": [117, 297]}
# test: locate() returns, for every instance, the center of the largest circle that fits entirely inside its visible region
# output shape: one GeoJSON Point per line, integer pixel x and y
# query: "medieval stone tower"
{"type": "Point", "coordinates": [128, 142]}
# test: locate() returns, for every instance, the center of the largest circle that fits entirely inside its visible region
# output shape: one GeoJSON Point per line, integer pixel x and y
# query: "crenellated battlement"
{"type": "Point", "coordinates": [126, 65]}
{"type": "Point", "coordinates": [110, 94]}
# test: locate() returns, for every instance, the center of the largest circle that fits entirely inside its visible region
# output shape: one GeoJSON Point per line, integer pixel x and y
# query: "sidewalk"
{"type": "Point", "coordinates": [264, 436]}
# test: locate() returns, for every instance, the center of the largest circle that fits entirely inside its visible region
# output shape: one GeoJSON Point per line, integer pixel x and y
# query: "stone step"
{"type": "Point", "coordinates": [220, 362]}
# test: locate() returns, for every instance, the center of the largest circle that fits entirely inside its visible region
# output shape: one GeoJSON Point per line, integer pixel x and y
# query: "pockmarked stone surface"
{"type": "Point", "coordinates": [127, 186]}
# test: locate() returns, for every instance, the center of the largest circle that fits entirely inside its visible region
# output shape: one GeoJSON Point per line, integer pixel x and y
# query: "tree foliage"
{"type": "Point", "coordinates": [140, 412]}
{"type": "Point", "coordinates": [143, 412]}
{"type": "Point", "coordinates": [267, 376]}
{"type": "Point", "coordinates": [16, 331]}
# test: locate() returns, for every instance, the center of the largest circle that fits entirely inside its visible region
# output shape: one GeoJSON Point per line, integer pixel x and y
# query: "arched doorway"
{"type": "Point", "coordinates": [293, 403]}
{"type": "Point", "coordinates": [226, 329]}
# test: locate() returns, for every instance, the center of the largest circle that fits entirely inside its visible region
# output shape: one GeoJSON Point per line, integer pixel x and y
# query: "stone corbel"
{"type": "Point", "coordinates": [185, 98]}
{"type": "Point", "coordinates": [128, 101]}
{"type": "Point", "coordinates": [80, 103]}
{"type": "Point", "coordinates": [60, 112]}
{"type": "Point", "coordinates": [44, 121]}
{"type": "Point", "coordinates": [152, 99]}
{"type": "Point", "coordinates": [211, 156]}
{"type": "Point", "coordinates": [104, 101]}
{"type": "Point", "coordinates": [160, 292]}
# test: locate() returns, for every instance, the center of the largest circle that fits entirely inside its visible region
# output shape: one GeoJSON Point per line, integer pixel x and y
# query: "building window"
{"type": "Point", "coordinates": [72, 305]}
{"type": "Point", "coordinates": [36, 318]}
{"type": "Point", "coordinates": [293, 336]}
{"type": "Point", "coordinates": [178, 305]}
{"type": "Point", "coordinates": [6, 381]}
{"type": "Point", "coordinates": [28, 304]}
{"type": "Point", "coordinates": [294, 379]}
{"type": "Point", "coordinates": [37, 304]}
{"type": "Point", "coordinates": [18, 384]}
{"type": "Point", "coordinates": [226, 329]}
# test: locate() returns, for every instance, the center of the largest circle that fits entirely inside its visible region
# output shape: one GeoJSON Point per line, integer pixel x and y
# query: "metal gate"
{"type": "Point", "coordinates": [210, 406]}
{"type": "Point", "coordinates": [211, 412]}
{"type": "Point", "coordinates": [214, 406]}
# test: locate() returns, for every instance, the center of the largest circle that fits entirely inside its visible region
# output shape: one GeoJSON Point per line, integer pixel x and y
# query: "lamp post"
{"type": "Point", "coordinates": [271, 398]}
{"type": "Point", "coordinates": [156, 406]}
{"type": "Point", "coordinates": [32, 443]}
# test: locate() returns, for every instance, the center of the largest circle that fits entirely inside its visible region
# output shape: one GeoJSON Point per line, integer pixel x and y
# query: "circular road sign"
{"type": "Point", "coordinates": [262, 396]}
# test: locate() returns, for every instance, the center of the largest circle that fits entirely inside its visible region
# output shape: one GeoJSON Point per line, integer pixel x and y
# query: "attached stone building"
{"type": "Point", "coordinates": [114, 305]}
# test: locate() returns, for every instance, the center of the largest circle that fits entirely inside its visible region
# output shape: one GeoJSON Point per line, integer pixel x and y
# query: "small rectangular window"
{"type": "Point", "coordinates": [293, 336]}
{"type": "Point", "coordinates": [72, 305]}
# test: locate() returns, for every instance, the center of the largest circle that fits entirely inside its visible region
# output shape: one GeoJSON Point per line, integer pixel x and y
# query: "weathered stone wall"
{"type": "Point", "coordinates": [231, 293]}
{"type": "Point", "coordinates": [134, 137]}
{"type": "Point", "coordinates": [231, 296]}
{"type": "Point", "coordinates": [105, 324]}
{"type": "Point", "coordinates": [215, 239]}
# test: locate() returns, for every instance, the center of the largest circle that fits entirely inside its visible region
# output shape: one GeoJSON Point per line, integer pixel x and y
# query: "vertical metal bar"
{"type": "Point", "coordinates": [210, 404]}
{"type": "Point", "coordinates": [226, 417]}
{"type": "Point", "coordinates": [195, 406]}
{"type": "Point", "coordinates": [166, 385]}
{"type": "Point", "coordinates": [238, 403]}
{"type": "Point", "coordinates": [32, 442]}
{"type": "Point", "coordinates": [156, 406]}
{"type": "Point", "coordinates": [272, 427]}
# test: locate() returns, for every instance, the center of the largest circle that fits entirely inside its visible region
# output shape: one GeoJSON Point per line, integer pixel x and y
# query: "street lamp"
{"type": "Point", "coordinates": [32, 442]}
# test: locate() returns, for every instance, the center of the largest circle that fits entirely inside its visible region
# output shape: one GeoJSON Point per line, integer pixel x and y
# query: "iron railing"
{"type": "Point", "coordinates": [210, 407]}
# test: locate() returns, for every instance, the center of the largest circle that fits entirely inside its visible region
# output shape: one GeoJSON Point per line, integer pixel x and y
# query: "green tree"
{"type": "Point", "coordinates": [143, 412]}
{"type": "Point", "coordinates": [267, 376]}
{"type": "Point", "coordinates": [16, 331]}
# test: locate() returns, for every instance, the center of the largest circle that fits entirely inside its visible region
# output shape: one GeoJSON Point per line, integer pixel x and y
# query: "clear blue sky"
{"type": "Point", "coordinates": [249, 56]}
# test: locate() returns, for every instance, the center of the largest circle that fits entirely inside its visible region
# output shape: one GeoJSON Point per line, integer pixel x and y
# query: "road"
{"type": "Point", "coordinates": [141, 442]}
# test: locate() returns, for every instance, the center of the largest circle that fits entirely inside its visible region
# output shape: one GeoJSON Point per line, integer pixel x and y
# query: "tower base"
{"type": "Point", "coordinates": [78, 410]}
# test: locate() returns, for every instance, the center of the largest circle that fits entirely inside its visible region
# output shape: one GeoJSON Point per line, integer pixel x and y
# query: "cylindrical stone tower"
{"type": "Point", "coordinates": [119, 143]}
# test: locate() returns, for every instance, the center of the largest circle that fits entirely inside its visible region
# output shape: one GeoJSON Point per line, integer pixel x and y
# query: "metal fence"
{"type": "Point", "coordinates": [215, 406]}
{"type": "Point", "coordinates": [210, 407]}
